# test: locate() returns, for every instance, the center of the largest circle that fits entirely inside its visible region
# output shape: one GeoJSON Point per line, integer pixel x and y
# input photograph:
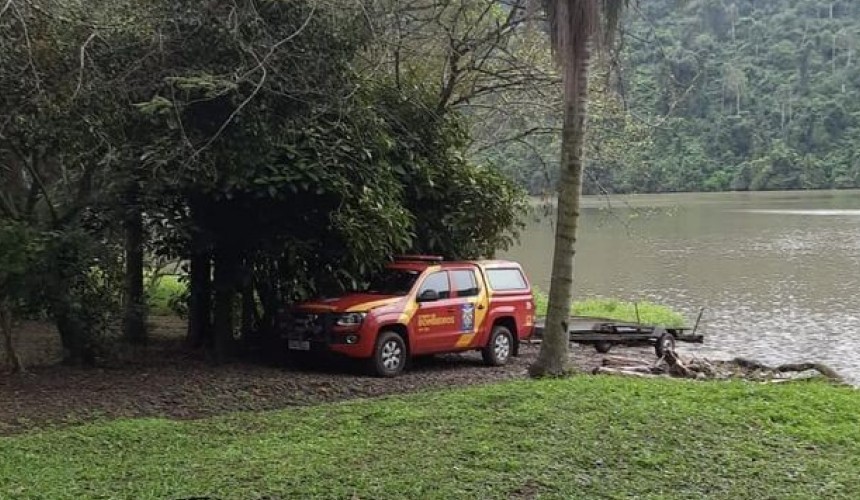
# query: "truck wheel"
{"type": "Point", "coordinates": [666, 342]}
{"type": "Point", "coordinates": [498, 350]}
{"type": "Point", "coordinates": [389, 355]}
{"type": "Point", "coordinates": [603, 347]}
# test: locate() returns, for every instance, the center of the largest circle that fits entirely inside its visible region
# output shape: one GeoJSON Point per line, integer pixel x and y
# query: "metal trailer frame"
{"type": "Point", "coordinates": [604, 333]}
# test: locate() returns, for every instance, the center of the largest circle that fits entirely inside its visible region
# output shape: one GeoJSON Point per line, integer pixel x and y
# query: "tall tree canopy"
{"type": "Point", "coordinates": [725, 95]}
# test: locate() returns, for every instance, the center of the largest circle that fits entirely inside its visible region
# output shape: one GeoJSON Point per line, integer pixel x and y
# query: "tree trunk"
{"type": "Point", "coordinates": [553, 358]}
{"type": "Point", "coordinates": [200, 300]}
{"type": "Point", "coordinates": [226, 264]}
{"type": "Point", "coordinates": [249, 309]}
{"type": "Point", "coordinates": [78, 349]}
{"type": "Point", "coordinates": [8, 339]}
{"type": "Point", "coordinates": [200, 282]}
{"type": "Point", "coordinates": [267, 324]}
{"type": "Point", "coordinates": [134, 318]}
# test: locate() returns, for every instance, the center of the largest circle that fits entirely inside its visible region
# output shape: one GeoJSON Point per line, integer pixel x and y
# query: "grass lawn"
{"type": "Point", "coordinates": [584, 437]}
{"type": "Point", "coordinates": [649, 312]}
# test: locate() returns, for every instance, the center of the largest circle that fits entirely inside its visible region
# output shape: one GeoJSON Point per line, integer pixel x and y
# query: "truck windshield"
{"type": "Point", "coordinates": [393, 282]}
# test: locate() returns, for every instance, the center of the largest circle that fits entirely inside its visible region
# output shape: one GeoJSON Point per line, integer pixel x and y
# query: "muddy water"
{"type": "Point", "coordinates": [778, 273]}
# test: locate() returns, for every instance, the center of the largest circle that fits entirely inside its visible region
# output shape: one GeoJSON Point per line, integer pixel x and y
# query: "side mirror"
{"type": "Point", "coordinates": [428, 296]}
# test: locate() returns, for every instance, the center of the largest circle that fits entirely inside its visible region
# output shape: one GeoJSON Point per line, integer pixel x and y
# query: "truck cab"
{"type": "Point", "coordinates": [421, 305]}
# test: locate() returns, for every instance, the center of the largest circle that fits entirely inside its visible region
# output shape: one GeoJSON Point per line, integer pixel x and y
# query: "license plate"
{"type": "Point", "coordinates": [299, 345]}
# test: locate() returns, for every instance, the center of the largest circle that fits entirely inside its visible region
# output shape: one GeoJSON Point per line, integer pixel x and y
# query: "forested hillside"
{"type": "Point", "coordinates": [722, 95]}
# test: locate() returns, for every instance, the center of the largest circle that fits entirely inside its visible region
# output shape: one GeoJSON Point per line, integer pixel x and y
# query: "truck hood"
{"type": "Point", "coordinates": [354, 302]}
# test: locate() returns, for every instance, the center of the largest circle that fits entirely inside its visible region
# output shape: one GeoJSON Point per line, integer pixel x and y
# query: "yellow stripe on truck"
{"type": "Point", "coordinates": [366, 306]}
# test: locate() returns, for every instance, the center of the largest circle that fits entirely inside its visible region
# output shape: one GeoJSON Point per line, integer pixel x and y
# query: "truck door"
{"type": "Point", "coordinates": [436, 321]}
{"type": "Point", "coordinates": [472, 302]}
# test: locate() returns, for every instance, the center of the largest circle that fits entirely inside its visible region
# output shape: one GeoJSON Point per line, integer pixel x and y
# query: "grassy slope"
{"type": "Point", "coordinates": [581, 437]}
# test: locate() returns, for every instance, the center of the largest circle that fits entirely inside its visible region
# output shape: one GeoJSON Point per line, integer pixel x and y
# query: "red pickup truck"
{"type": "Point", "coordinates": [420, 305]}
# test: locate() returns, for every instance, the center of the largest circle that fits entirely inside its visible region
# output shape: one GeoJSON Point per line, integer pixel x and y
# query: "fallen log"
{"type": "Point", "coordinates": [703, 367]}
{"type": "Point", "coordinates": [676, 367]}
{"type": "Point", "coordinates": [622, 361]}
{"type": "Point", "coordinates": [750, 364]}
{"type": "Point", "coordinates": [605, 370]}
{"type": "Point", "coordinates": [670, 364]}
{"type": "Point", "coordinates": [823, 369]}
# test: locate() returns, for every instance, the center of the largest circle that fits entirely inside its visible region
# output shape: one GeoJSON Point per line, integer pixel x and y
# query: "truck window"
{"type": "Point", "coordinates": [506, 279]}
{"type": "Point", "coordinates": [392, 282]}
{"type": "Point", "coordinates": [465, 283]}
{"type": "Point", "coordinates": [439, 282]}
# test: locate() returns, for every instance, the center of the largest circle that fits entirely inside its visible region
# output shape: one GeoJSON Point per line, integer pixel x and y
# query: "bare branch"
{"type": "Point", "coordinates": [5, 7]}
{"type": "Point", "coordinates": [37, 179]}
{"type": "Point", "coordinates": [261, 65]}
{"type": "Point", "coordinates": [83, 61]}
{"type": "Point", "coordinates": [519, 137]}
{"type": "Point", "coordinates": [32, 63]}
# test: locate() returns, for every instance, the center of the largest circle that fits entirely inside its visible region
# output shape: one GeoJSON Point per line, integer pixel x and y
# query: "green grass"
{"type": "Point", "coordinates": [159, 296]}
{"type": "Point", "coordinates": [649, 312]}
{"type": "Point", "coordinates": [585, 437]}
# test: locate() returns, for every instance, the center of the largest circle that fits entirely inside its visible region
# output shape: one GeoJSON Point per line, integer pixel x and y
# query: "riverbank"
{"type": "Point", "coordinates": [163, 380]}
{"type": "Point", "coordinates": [583, 437]}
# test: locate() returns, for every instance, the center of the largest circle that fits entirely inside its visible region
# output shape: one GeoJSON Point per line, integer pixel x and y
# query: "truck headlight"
{"type": "Point", "coordinates": [350, 319]}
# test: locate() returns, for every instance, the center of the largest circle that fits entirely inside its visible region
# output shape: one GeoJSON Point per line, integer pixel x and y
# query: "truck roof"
{"type": "Point", "coordinates": [422, 264]}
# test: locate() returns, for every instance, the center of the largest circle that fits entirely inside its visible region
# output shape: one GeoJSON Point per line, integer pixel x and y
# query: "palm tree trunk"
{"type": "Point", "coordinates": [553, 358]}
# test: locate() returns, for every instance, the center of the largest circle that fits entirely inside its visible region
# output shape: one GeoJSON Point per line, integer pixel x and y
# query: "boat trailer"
{"type": "Point", "coordinates": [604, 333]}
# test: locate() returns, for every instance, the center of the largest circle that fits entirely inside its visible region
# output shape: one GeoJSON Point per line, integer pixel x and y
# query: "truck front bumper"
{"type": "Point", "coordinates": [317, 333]}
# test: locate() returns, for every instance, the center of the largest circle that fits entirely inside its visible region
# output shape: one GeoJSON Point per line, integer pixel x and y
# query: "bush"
{"type": "Point", "coordinates": [166, 295]}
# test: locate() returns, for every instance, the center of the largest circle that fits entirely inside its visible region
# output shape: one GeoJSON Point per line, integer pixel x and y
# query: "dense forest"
{"type": "Point", "coordinates": [713, 95]}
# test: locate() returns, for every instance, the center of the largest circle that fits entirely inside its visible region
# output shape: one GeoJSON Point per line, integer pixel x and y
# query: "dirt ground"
{"type": "Point", "coordinates": [166, 381]}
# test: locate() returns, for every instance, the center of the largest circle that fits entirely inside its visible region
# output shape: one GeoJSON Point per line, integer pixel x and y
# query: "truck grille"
{"type": "Point", "coordinates": [309, 326]}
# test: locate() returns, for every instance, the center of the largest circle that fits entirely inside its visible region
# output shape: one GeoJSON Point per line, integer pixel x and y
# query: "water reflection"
{"type": "Point", "coordinates": [779, 273]}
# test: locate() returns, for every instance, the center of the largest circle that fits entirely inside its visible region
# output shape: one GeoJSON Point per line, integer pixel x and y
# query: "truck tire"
{"type": "Point", "coordinates": [666, 342]}
{"type": "Point", "coordinates": [389, 355]}
{"type": "Point", "coordinates": [499, 348]}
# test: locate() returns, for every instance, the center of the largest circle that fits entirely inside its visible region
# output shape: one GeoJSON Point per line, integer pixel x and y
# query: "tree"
{"type": "Point", "coordinates": [351, 163]}
{"type": "Point", "coordinates": [573, 26]}
{"type": "Point", "coordinates": [187, 131]}
{"type": "Point", "coordinates": [17, 248]}
{"type": "Point", "coordinates": [55, 155]}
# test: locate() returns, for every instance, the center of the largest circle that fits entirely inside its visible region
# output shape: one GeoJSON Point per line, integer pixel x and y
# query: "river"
{"type": "Point", "coordinates": [777, 272]}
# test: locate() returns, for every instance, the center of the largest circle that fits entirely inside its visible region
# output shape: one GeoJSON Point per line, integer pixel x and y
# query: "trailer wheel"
{"type": "Point", "coordinates": [499, 348]}
{"type": "Point", "coordinates": [603, 347]}
{"type": "Point", "coordinates": [665, 343]}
